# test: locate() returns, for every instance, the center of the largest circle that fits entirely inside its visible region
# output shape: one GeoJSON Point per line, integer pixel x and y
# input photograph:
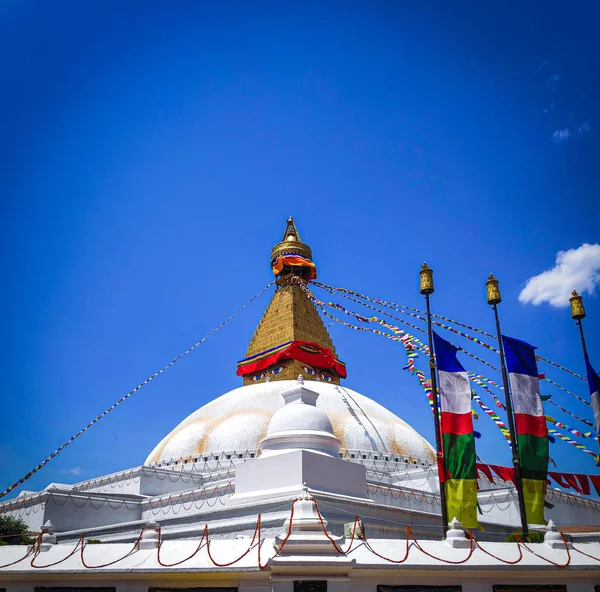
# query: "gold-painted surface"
{"type": "Point", "coordinates": [493, 290]}
{"type": "Point", "coordinates": [399, 447]}
{"type": "Point", "coordinates": [577, 309]}
{"type": "Point", "coordinates": [207, 420]}
{"type": "Point", "coordinates": [291, 244]}
{"type": "Point", "coordinates": [290, 316]}
{"type": "Point", "coordinates": [426, 279]}
{"type": "Point", "coordinates": [239, 419]}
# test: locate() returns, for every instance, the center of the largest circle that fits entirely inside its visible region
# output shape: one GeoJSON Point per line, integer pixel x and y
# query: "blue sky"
{"type": "Point", "coordinates": [151, 153]}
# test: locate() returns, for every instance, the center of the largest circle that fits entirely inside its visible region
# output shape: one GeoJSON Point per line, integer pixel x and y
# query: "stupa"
{"type": "Point", "coordinates": [290, 340]}
{"type": "Point", "coordinates": [292, 482]}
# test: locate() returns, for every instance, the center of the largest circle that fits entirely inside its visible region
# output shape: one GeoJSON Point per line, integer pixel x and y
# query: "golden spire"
{"type": "Point", "coordinates": [291, 232]}
{"type": "Point", "coordinates": [291, 246]}
{"type": "Point", "coordinates": [290, 316]}
{"type": "Point", "coordinates": [290, 243]}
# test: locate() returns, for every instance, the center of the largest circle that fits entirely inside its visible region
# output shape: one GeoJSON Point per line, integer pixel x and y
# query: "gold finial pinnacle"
{"type": "Point", "coordinates": [292, 245]}
{"type": "Point", "coordinates": [426, 279]}
{"type": "Point", "coordinates": [493, 290]}
{"type": "Point", "coordinates": [291, 232]}
{"type": "Point", "coordinates": [574, 293]}
{"type": "Point", "coordinates": [577, 309]}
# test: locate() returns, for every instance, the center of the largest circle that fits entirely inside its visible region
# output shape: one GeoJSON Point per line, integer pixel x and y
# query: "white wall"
{"type": "Point", "coordinates": [470, 582]}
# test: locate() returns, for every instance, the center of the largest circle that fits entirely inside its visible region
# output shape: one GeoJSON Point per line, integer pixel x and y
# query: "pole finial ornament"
{"type": "Point", "coordinates": [577, 309]}
{"type": "Point", "coordinates": [493, 290]}
{"type": "Point", "coordinates": [426, 275]}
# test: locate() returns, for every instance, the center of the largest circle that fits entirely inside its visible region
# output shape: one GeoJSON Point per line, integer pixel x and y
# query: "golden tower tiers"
{"type": "Point", "coordinates": [291, 338]}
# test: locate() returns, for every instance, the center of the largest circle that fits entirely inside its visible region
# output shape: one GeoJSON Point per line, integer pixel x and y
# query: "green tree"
{"type": "Point", "coordinates": [535, 536]}
{"type": "Point", "coordinates": [12, 531]}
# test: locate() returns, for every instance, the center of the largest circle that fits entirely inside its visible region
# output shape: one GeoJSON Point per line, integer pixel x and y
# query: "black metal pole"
{"type": "Point", "coordinates": [585, 355]}
{"type": "Point", "coordinates": [578, 314]}
{"type": "Point", "coordinates": [438, 432]}
{"type": "Point", "coordinates": [513, 433]}
{"type": "Point", "coordinates": [580, 325]}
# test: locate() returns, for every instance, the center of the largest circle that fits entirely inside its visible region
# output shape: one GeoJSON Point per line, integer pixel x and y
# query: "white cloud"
{"type": "Point", "coordinates": [73, 471]}
{"type": "Point", "coordinates": [561, 135]}
{"type": "Point", "coordinates": [575, 269]}
{"type": "Point", "coordinates": [585, 127]}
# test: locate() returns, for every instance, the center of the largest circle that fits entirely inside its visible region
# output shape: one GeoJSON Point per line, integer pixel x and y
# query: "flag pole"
{"type": "Point", "coordinates": [578, 313]}
{"type": "Point", "coordinates": [426, 288]}
{"type": "Point", "coordinates": [494, 298]}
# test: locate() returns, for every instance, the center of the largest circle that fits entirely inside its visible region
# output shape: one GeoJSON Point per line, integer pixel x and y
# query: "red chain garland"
{"type": "Point", "coordinates": [544, 558]}
{"type": "Point", "coordinates": [79, 542]}
{"type": "Point", "coordinates": [507, 561]}
{"type": "Point", "coordinates": [368, 546]}
{"type": "Point", "coordinates": [29, 552]}
{"type": "Point", "coordinates": [160, 542]}
{"type": "Point", "coordinates": [586, 554]}
{"type": "Point", "coordinates": [133, 549]}
{"type": "Point", "coordinates": [471, 549]}
{"type": "Point", "coordinates": [257, 541]}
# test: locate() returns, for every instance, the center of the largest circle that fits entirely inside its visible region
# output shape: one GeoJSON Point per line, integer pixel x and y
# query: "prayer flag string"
{"type": "Point", "coordinates": [394, 306]}
{"type": "Point", "coordinates": [402, 308]}
{"type": "Point", "coordinates": [585, 421]}
{"type": "Point", "coordinates": [412, 345]}
{"type": "Point", "coordinates": [137, 388]}
{"type": "Point", "coordinates": [405, 338]}
{"type": "Point", "coordinates": [408, 341]}
{"type": "Point", "coordinates": [495, 417]}
{"type": "Point", "coordinates": [564, 426]}
{"type": "Point", "coordinates": [416, 316]}
{"type": "Point", "coordinates": [392, 327]}
{"type": "Point", "coordinates": [479, 378]}
{"type": "Point", "coordinates": [562, 388]}
{"type": "Point", "coordinates": [499, 404]}
{"type": "Point", "coordinates": [564, 438]}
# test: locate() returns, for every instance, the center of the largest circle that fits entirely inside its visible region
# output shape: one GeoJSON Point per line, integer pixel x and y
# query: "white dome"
{"type": "Point", "coordinates": [291, 416]}
{"type": "Point", "coordinates": [300, 411]}
{"type": "Point", "coordinates": [300, 424]}
{"type": "Point", "coordinates": [239, 419]}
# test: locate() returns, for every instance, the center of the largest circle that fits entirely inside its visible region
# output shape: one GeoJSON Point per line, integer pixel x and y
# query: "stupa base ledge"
{"type": "Point", "coordinates": [325, 565]}
{"type": "Point", "coordinates": [289, 472]}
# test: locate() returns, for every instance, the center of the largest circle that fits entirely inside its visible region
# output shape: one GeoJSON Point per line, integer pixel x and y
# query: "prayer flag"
{"type": "Point", "coordinates": [594, 384]}
{"type": "Point", "coordinates": [530, 424]}
{"type": "Point", "coordinates": [457, 435]}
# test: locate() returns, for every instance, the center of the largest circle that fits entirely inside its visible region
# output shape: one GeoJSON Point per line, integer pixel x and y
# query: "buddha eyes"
{"type": "Point", "coordinates": [277, 370]}
{"type": "Point", "coordinates": [258, 376]}
{"type": "Point", "coordinates": [322, 376]}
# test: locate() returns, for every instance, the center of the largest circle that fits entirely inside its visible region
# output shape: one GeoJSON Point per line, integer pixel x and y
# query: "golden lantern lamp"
{"type": "Point", "coordinates": [426, 274]}
{"type": "Point", "coordinates": [577, 309]}
{"type": "Point", "coordinates": [493, 290]}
